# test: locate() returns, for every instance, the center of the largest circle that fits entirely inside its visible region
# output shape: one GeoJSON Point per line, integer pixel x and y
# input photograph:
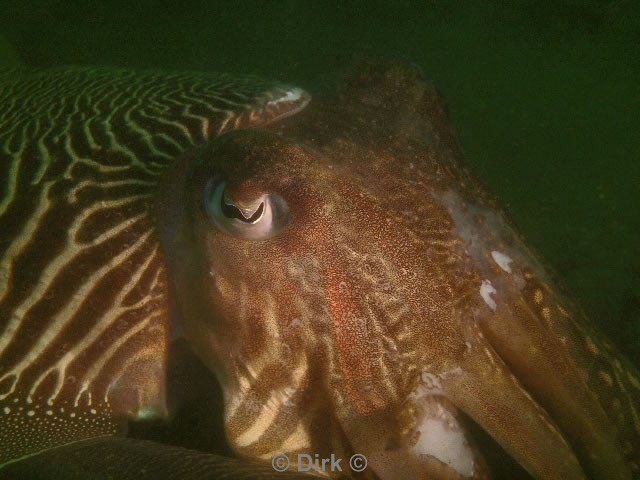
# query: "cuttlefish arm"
{"type": "Point", "coordinates": [547, 344]}
{"type": "Point", "coordinates": [355, 289]}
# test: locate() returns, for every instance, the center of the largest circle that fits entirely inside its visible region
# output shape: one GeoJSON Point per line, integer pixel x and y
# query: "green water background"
{"type": "Point", "coordinates": [544, 96]}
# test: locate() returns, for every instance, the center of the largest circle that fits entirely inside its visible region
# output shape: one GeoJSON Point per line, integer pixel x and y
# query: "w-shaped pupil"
{"type": "Point", "coordinates": [231, 211]}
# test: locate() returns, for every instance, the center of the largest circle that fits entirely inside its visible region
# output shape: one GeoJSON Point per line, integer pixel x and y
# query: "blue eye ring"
{"type": "Point", "coordinates": [260, 219]}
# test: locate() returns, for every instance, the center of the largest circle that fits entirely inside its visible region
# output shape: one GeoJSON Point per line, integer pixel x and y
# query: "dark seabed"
{"type": "Point", "coordinates": [544, 96]}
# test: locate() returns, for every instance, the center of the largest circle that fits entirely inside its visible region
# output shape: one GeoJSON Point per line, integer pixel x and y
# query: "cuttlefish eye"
{"type": "Point", "coordinates": [253, 219]}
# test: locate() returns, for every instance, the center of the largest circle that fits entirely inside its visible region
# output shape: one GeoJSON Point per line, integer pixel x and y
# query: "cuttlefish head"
{"type": "Point", "coordinates": [361, 294]}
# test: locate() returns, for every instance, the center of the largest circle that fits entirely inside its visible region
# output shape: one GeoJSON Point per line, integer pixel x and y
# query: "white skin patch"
{"type": "Point", "coordinates": [296, 98]}
{"type": "Point", "coordinates": [502, 260]}
{"type": "Point", "coordinates": [486, 290]}
{"type": "Point", "coordinates": [442, 437]}
{"type": "Point", "coordinates": [292, 95]}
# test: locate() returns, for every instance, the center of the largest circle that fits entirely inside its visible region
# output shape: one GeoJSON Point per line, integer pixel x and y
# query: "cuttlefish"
{"type": "Point", "coordinates": [357, 292]}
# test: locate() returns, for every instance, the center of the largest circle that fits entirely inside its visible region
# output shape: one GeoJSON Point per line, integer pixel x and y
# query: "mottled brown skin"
{"type": "Point", "coordinates": [369, 301]}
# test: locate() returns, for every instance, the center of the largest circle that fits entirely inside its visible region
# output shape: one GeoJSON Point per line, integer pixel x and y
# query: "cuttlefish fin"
{"type": "Point", "coordinates": [131, 459]}
{"type": "Point", "coordinates": [92, 390]}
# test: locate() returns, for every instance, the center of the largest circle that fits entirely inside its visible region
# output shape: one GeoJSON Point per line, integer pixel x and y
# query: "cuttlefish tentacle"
{"type": "Point", "coordinates": [402, 293]}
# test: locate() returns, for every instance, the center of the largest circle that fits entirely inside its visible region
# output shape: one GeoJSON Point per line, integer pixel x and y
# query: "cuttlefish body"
{"type": "Point", "coordinates": [356, 290]}
{"type": "Point", "coordinates": [349, 281]}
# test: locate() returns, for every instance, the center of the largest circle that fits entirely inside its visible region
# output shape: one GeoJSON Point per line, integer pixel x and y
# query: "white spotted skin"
{"type": "Point", "coordinates": [486, 292]}
{"type": "Point", "coordinates": [22, 420]}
